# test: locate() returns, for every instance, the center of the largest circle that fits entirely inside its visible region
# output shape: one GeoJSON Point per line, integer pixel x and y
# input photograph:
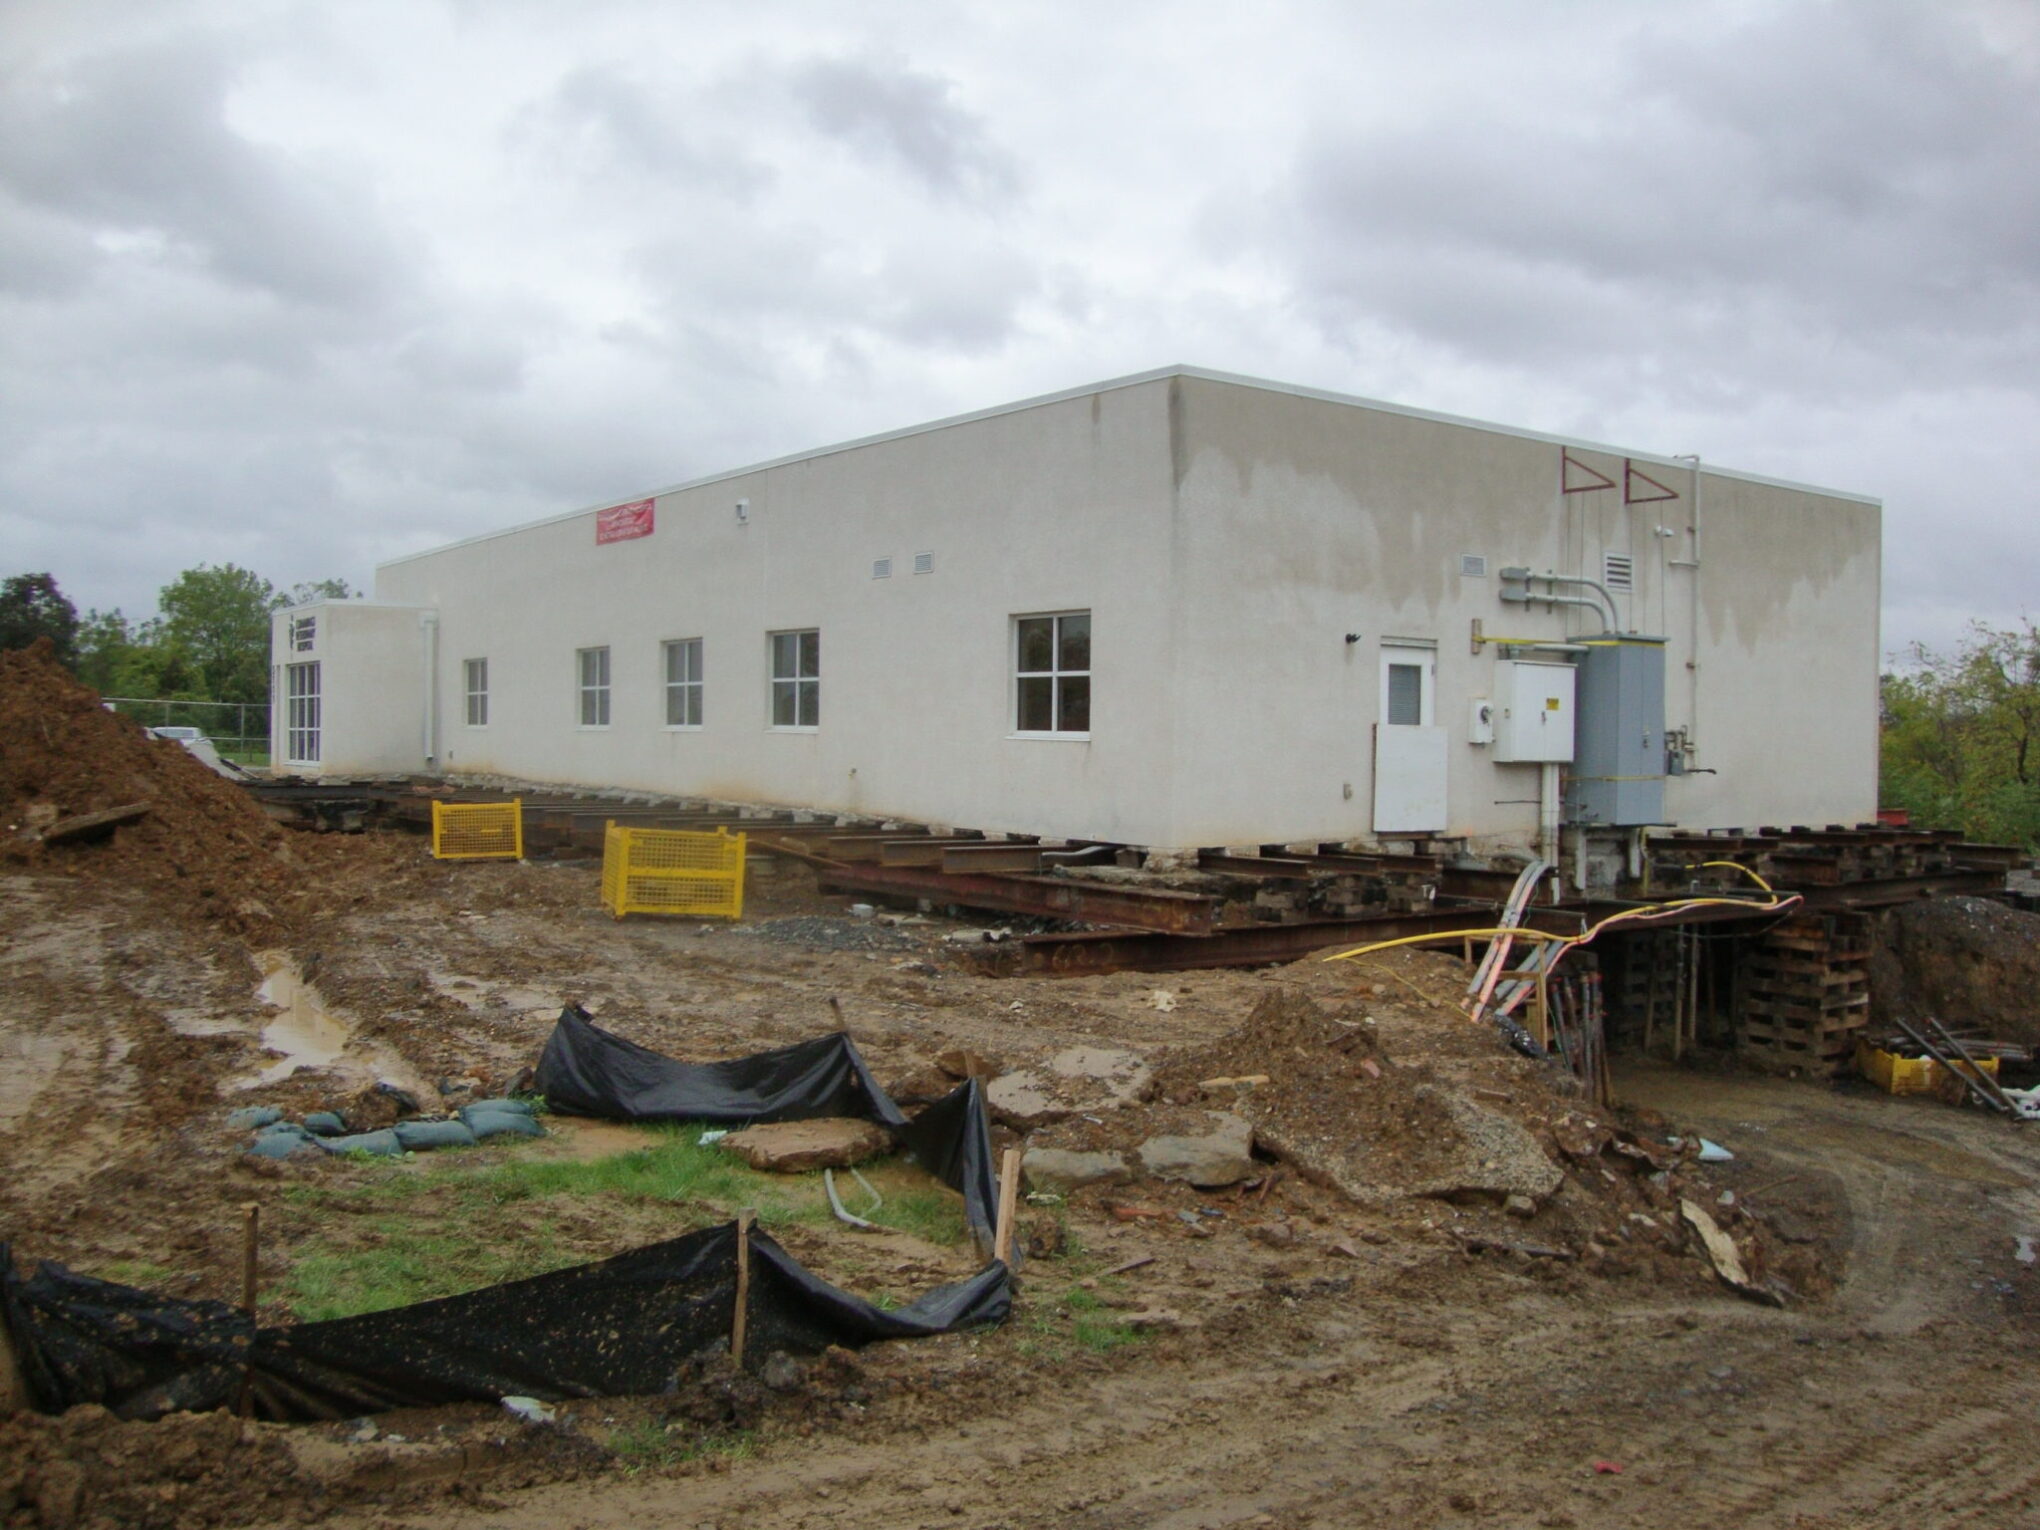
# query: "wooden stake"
{"type": "Point", "coordinates": [1009, 1205]}
{"type": "Point", "coordinates": [743, 1313]}
{"type": "Point", "coordinates": [251, 1227]}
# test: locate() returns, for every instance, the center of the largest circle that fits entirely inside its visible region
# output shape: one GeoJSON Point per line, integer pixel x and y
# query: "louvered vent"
{"type": "Point", "coordinates": [924, 563]}
{"type": "Point", "coordinates": [1618, 571]}
{"type": "Point", "coordinates": [1472, 566]}
{"type": "Point", "coordinates": [881, 568]}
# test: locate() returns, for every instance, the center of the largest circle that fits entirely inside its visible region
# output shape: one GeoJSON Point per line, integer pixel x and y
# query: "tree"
{"type": "Point", "coordinates": [216, 621]}
{"type": "Point", "coordinates": [1961, 742]}
{"type": "Point", "coordinates": [31, 607]}
{"type": "Point", "coordinates": [317, 589]}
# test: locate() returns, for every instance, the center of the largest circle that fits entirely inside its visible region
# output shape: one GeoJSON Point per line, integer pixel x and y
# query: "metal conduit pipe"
{"type": "Point", "coordinates": [428, 626]}
{"type": "Point", "coordinates": [1604, 606]}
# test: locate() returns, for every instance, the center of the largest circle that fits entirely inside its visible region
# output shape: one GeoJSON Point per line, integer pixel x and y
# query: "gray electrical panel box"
{"type": "Point", "coordinates": [1618, 770]}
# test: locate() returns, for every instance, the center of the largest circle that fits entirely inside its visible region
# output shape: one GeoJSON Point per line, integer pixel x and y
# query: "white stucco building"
{"type": "Point", "coordinates": [1178, 609]}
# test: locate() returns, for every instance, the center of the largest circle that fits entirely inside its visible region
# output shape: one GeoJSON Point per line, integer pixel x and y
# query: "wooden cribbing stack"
{"type": "Point", "coordinates": [1803, 993]}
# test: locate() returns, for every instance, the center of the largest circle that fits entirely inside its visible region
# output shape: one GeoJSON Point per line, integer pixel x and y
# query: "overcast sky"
{"type": "Point", "coordinates": [308, 286]}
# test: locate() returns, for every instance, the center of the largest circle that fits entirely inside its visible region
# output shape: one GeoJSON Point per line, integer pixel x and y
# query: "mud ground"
{"type": "Point", "coordinates": [1304, 1360]}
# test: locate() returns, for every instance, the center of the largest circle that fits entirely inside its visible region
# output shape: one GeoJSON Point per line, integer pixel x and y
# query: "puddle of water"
{"type": "Point", "coordinates": [305, 1033]}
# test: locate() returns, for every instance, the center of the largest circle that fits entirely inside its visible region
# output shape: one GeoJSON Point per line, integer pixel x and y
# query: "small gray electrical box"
{"type": "Point", "coordinates": [1533, 713]}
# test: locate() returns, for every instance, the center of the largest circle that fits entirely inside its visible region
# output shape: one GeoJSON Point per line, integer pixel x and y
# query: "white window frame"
{"type": "Point", "coordinates": [1418, 655]}
{"type": "Point", "coordinates": [1056, 675]}
{"type": "Point", "coordinates": [474, 675]}
{"type": "Point", "coordinates": [803, 682]}
{"type": "Point", "coordinates": [304, 634]}
{"type": "Point", "coordinates": [301, 735]}
{"type": "Point", "coordinates": [591, 690]}
{"type": "Point", "coordinates": [682, 694]}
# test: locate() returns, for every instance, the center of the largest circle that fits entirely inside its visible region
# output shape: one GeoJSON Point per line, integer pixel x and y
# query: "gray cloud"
{"type": "Point", "coordinates": [134, 141]}
{"type": "Point", "coordinates": [891, 111]}
{"type": "Point", "coordinates": [1842, 182]}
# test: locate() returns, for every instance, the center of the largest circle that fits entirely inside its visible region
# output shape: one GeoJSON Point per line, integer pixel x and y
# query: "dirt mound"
{"type": "Point", "coordinates": [1338, 1105]}
{"type": "Point", "coordinates": [1391, 1101]}
{"type": "Point", "coordinates": [204, 844]}
{"type": "Point", "coordinates": [1971, 963]}
{"type": "Point", "coordinates": [190, 1470]}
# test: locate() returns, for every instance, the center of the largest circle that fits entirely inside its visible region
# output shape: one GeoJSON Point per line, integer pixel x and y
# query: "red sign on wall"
{"type": "Point", "coordinates": [620, 523]}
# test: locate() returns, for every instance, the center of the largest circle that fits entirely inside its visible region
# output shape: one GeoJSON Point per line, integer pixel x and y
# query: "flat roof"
{"type": "Point", "coordinates": [1159, 374]}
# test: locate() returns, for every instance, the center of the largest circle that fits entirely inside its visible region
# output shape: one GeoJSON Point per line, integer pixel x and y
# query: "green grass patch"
{"type": "Point", "coordinates": [651, 1446]}
{"type": "Point", "coordinates": [399, 1231]}
{"type": "Point", "coordinates": [1080, 1317]}
{"type": "Point", "coordinates": [413, 1265]}
{"type": "Point", "coordinates": [136, 1272]}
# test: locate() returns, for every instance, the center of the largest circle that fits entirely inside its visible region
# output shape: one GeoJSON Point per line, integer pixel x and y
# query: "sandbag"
{"type": "Point", "coordinates": [324, 1123]}
{"type": "Point", "coordinates": [421, 1136]}
{"type": "Point", "coordinates": [497, 1123]}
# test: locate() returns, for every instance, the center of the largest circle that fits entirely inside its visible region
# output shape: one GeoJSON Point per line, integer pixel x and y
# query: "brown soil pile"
{"type": "Point", "coordinates": [204, 846]}
{"type": "Point", "coordinates": [1391, 1101]}
{"type": "Point", "coordinates": [187, 1471]}
{"type": "Point", "coordinates": [1971, 963]}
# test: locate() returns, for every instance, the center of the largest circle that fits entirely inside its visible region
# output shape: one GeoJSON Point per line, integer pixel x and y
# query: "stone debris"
{"type": "Point", "coordinates": [1063, 1170]}
{"type": "Point", "coordinates": [795, 1147]}
{"type": "Point", "coordinates": [1222, 1155]}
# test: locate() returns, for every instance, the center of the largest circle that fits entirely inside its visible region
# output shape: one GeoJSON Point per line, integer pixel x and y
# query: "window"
{"type": "Point", "coordinates": [477, 683]}
{"type": "Point", "coordinates": [301, 714]}
{"type": "Point", "coordinates": [594, 664]}
{"type": "Point", "coordinates": [683, 683]}
{"type": "Point", "coordinates": [796, 679]}
{"type": "Point", "coordinates": [1407, 672]}
{"type": "Point", "coordinates": [1053, 664]}
{"type": "Point", "coordinates": [304, 633]}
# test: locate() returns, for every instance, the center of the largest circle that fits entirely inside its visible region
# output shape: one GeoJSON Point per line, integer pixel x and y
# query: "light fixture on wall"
{"type": "Point", "coordinates": [1352, 637]}
{"type": "Point", "coordinates": [743, 512]}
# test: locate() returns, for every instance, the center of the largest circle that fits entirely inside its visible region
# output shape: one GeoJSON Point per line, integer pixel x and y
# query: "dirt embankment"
{"type": "Point", "coordinates": [204, 847]}
{"type": "Point", "coordinates": [1971, 963]}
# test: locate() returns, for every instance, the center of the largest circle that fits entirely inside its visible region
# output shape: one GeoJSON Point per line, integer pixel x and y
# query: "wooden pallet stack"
{"type": "Point", "coordinates": [1803, 993]}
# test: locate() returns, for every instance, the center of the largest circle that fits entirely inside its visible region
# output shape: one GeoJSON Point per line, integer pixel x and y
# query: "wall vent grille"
{"type": "Point", "coordinates": [1472, 566]}
{"type": "Point", "coordinates": [881, 568]}
{"type": "Point", "coordinates": [1618, 571]}
{"type": "Point", "coordinates": [924, 563]}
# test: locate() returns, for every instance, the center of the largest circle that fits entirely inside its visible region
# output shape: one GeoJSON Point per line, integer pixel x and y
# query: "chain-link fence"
{"type": "Point", "coordinates": [238, 729]}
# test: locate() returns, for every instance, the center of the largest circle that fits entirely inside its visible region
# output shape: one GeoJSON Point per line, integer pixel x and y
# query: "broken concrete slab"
{"type": "Point", "coordinates": [1120, 1077]}
{"type": "Point", "coordinates": [1023, 1100]}
{"type": "Point", "coordinates": [1221, 1155]}
{"type": "Point", "coordinates": [1061, 1169]}
{"type": "Point", "coordinates": [794, 1147]}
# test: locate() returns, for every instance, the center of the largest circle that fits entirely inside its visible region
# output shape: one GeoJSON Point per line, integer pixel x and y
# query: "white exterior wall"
{"type": "Point", "coordinates": [1302, 519]}
{"type": "Point", "coordinates": [1057, 508]}
{"type": "Point", "coordinates": [371, 658]}
{"type": "Point", "coordinates": [1225, 537]}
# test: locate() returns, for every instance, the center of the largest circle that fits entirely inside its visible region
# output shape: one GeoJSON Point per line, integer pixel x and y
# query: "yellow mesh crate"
{"type": "Point", "coordinates": [671, 871]}
{"type": "Point", "coordinates": [474, 831]}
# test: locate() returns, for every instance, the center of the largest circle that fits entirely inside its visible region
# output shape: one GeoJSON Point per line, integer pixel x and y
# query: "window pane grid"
{"type": "Point", "coordinates": [594, 687]}
{"type": "Point", "coordinates": [301, 713]}
{"type": "Point", "coordinates": [477, 687]}
{"type": "Point", "coordinates": [683, 683]}
{"type": "Point", "coordinates": [1052, 666]}
{"type": "Point", "coordinates": [796, 679]}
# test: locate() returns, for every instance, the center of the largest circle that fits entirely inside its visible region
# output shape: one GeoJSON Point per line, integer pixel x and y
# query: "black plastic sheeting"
{"type": "Point", "coordinates": [588, 1071]}
{"type": "Point", "coordinates": [623, 1326]}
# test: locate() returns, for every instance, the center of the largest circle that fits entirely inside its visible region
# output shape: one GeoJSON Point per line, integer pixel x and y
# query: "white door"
{"type": "Point", "coordinates": [1409, 750]}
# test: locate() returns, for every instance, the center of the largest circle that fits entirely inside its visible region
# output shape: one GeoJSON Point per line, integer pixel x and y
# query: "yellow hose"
{"type": "Point", "coordinates": [1648, 911]}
